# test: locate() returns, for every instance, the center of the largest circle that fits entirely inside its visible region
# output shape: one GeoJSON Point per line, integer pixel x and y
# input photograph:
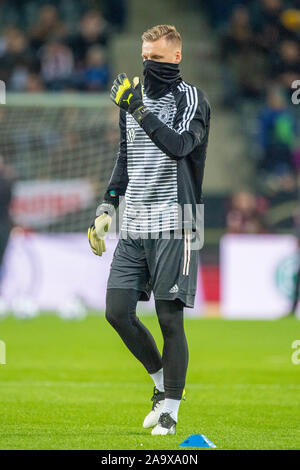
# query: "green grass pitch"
{"type": "Point", "coordinates": [74, 385]}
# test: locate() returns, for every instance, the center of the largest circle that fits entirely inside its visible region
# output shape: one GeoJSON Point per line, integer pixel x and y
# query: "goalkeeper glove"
{"type": "Point", "coordinates": [129, 96]}
{"type": "Point", "coordinates": [98, 230]}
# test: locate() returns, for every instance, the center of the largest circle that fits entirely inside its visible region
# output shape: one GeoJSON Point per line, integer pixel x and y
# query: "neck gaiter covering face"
{"type": "Point", "coordinates": [158, 77]}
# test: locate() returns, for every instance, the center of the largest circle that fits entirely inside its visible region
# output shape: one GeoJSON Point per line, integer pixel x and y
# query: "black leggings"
{"type": "Point", "coordinates": [121, 314]}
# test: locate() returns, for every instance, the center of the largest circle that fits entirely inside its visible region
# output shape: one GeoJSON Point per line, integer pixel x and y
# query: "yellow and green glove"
{"type": "Point", "coordinates": [129, 96]}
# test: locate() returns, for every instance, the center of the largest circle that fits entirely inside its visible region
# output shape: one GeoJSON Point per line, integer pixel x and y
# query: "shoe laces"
{"type": "Point", "coordinates": [157, 397]}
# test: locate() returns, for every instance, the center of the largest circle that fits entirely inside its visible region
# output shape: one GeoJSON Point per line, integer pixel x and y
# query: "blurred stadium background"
{"type": "Point", "coordinates": [73, 385]}
{"type": "Point", "coordinates": [59, 137]}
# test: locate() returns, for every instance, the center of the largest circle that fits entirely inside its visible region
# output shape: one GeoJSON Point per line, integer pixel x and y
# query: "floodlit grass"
{"type": "Point", "coordinates": [74, 385]}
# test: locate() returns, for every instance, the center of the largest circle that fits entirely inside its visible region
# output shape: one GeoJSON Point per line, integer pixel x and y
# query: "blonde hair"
{"type": "Point", "coordinates": [166, 31]}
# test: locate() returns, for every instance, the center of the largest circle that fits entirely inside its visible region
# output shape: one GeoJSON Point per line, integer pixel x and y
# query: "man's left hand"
{"type": "Point", "coordinates": [127, 95]}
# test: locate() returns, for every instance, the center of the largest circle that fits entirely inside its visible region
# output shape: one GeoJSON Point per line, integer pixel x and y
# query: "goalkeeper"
{"type": "Point", "coordinates": [164, 128]}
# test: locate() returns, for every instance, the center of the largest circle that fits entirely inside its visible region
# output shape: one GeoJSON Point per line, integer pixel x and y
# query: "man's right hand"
{"type": "Point", "coordinates": [97, 244]}
{"type": "Point", "coordinates": [98, 231]}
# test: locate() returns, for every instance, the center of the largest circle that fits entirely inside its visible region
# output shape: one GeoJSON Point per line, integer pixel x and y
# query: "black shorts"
{"type": "Point", "coordinates": [168, 267]}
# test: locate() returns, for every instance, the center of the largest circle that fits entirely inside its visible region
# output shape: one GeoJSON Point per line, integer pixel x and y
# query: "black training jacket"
{"type": "Point", "coordinates": [160, 164]}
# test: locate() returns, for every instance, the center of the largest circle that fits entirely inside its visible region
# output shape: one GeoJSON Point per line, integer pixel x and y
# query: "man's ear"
{"type": "Point", "coordinates": [178, 56]}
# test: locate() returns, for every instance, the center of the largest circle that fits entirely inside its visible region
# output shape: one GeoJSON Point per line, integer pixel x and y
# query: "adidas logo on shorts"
{"type": "Point", "coordinates": [174, 289]}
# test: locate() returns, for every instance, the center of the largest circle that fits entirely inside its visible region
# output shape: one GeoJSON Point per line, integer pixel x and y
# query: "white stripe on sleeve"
{"type": "Point", "coordinates": [190, 110]}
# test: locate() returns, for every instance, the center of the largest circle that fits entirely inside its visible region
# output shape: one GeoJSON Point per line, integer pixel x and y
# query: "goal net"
{"type": "Point", "coordinates": [61, 149]}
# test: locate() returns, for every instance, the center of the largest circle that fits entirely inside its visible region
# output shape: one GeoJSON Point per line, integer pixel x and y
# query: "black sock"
{"type": "Point", "coordinates": [121, 314]}
{"type": "Point", "coordinates": [175, 353]}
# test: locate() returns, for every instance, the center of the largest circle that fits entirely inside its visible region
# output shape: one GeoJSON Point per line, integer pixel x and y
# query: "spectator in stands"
{"type": "Point", "coordinates": [246, 214]}
{"type": "Point", "coordinates": [239, 37]}
{"type": "Point", "coordinates": [285, 66]}
{"type": "Point", "coordinates": [265, 19]}
{"type": "Point", "coordinates": [220, 12]}
{"type": "Point", "coordinates": [34, 84]}
{"type": "Point", "coordinates": [57, 65]}
{"type": "Point", "coordinates": [277, 138]}
{"type": "Point", "coordinates": [96, 71]}
{"type": "Point", "coordinates": [115, 12]}
{"type": "Point", "coordinates": [93, 30]}
{"type": "Point", "coordinates": [46, 56]}
{"type": "Point", "coordinates": [290, 20]}
{"type": "Point", "coordinates": [16, 59]}
{"type": "Point", "coordinates": [237, 49]}
{"type": "Point", "coordinates": [49, 26]}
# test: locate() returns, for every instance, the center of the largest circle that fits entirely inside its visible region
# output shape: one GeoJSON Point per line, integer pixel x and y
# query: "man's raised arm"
{"type": "Point", "coordinates": [190, 124]}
